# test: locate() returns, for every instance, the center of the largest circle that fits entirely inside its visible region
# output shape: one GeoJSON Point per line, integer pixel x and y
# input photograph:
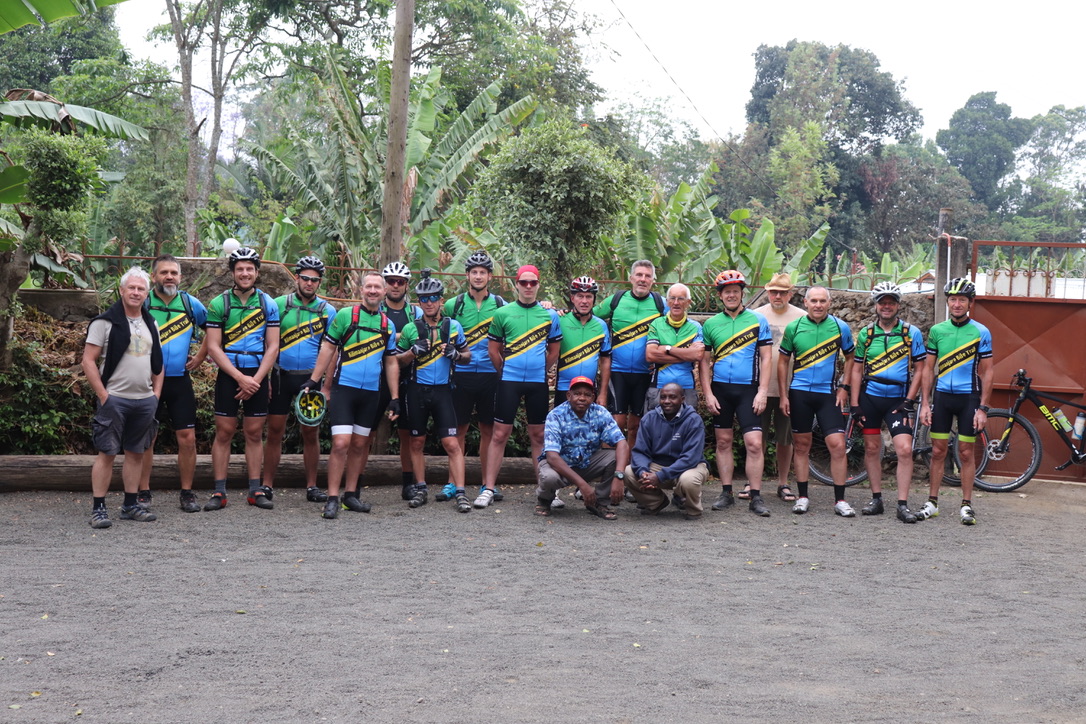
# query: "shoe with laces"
{"type": "Point", "coordinates": [484, 498]}
{"type": "Point", "coordinates": [262, 498]}
{"type": "Point", "coordinates": [873, 507]}
{"type": "Point", "coordinates": [217, 502]}
{"type": "Point", "coordinates": [331, 509]}
{"type": "Point", "coordinates": [143, 498]}
{"type": "Point", "coordinates": [843, 509]}
{"type": "Point", "coordinates": [100, 518]}
{"type": "Point", "coordinates": [801, 506]}
{"type": "Point", "coordinates": [316, 495]}
{"type": "Point", "coordinates": [407, 491]}
{"type": "Point", "coordinates": [758, 506]}
{"type": "Point", "coordinates": [189, 503]}
{"type": "Point", "coordinates": [463, 505]}
{"type": "Point", "coordinates": [352, 502]}
{"type": "Point", "coordinates": [419, 498]}
{"type": "Point", "coordinates": [137, 513]}
{"type": "Point", "coordinates": [498, 495]}
{"type": "Point", "coordinates": [968, 516]}
{"type": "Point", "coordinates": [557, 503]}
{"type": "Point", "coordinates": [905, 515]}
{"type": "Point", "coordinates": [928, 510]}
{"type": "Point", "coordinates": [725, 501]}
{"type": "Point", "coordinates": [447, 493]}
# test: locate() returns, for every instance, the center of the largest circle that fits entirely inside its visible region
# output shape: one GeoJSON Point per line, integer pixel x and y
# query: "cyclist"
{"type": "Point", "coordinates": [360, 343]}
{"type": "Point", "coordinates": [629, 314]}
{"type": "Point", "coordinates": [673, 346]}
{"type": "Point", "coordinates": [397, 276]}
{"type": "Point", "coordinates": [178, 315]}
{"type": "Point", "coordinates": [303, 320]}
{"type": "Point", "coordinates": [736, 361]}
{"type": "Point", "coordinates": [815, 343]}
{"type": "Point", "coordinates": [523, 344]}
{"type": "Point", "coordinates": [427, 349]}
{"type": "Point", "coordinates": [476, 378]}
{"type": "Point", "coordinates": [243, 340]}
{"type": "Point", "coordinates": [886, 383]}
{"type": "Point", "coordinates": [585, 350]}
{"type": "Point", "coordinates": [959, 367]}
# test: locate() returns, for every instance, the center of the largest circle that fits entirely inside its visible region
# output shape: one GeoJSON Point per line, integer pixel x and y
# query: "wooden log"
{"type": "Point", "coordinates": [72, 472]}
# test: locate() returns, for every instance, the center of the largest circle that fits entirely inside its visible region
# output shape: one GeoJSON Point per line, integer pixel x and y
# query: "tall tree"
{"type": "Point", "coordinates": [35, 55]}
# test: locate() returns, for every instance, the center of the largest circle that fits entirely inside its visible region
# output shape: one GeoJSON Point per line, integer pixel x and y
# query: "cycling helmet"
{"type": "Point", "coordinates": [584, 284]}
{"type": "Point", "coordinates": [479, 258]}
{"type": "Point", "coordinates": [428, 284]}
{"type": "Point", "coordinates": [309, 262]}
{"type": "Point", "coordinates": [310, 406]}
{"type": "Point", "coordinates": [960, 286]}
{"type": "Point", "coordinates": [730, 276]}
{"type": "Point", "coordinates": [396, 269]}
{"type": "Point", "coordinates": [244, 253]}
{"type": "Point", "coordinates": [885, 289]}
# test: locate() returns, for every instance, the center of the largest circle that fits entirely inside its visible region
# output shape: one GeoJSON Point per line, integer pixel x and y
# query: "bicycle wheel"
{"type": "Point", "coordinates": [952, 465]}
{"type": "Point", "coordinates": [1008, 452]}
{"type": "Point", "coordinates": [854, 453]}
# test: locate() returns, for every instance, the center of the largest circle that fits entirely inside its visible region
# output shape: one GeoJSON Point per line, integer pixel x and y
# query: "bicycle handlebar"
{"type": "Point", "coordinates": [1020, 379]}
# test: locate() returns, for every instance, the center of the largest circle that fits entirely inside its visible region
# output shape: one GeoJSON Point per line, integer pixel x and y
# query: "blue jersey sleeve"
{"type": "Point", "coordinates": [555, 333]}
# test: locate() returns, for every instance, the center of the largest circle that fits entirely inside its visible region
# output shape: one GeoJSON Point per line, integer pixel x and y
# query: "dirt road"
{"type": "Point", "coordinates": [428, 615]}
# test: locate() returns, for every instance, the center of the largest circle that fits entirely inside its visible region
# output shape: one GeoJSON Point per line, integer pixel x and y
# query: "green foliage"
{"type": "Point", "coordinates": [35, 55]}
{"type": "Point", "coordinates": [39, 412]}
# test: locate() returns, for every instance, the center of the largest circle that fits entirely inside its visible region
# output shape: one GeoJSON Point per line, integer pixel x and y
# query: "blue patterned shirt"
{"type": "Point", "coordinates": [574, 438]}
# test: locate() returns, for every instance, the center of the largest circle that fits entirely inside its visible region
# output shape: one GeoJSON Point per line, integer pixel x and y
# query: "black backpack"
{"type": "Point", "coordinates": [618, 297]}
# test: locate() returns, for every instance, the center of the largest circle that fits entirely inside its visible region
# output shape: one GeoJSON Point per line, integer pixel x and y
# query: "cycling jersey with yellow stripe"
{"type": "Point", "coordinates": [815, 347]}
{"type": "Point", "coordinates": [525, 331]}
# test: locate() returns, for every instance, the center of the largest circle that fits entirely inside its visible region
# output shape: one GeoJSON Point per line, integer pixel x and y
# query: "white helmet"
{"type": "Point", "coordinates": [396, 269]}
{"type": "Point", "coordinates": [885, 289]}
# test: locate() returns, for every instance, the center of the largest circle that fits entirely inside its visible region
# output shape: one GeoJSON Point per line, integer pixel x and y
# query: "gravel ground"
{"type": "Point", "coordinates": [428, 615]}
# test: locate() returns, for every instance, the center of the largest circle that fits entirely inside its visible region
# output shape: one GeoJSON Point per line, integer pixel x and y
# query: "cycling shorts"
{"type": "Point", "coordinates": [474, 392]}
{"type": "Point", "coordinates": [945, 407]}
{"type": "Point", "coordinates": [178, 403]}
{"type": "Point", "coordinates": [877, 410]}
{"type": "Point", "coordinates": [422, 402]}
{"type": "Point", "coordinates": [508, 398]}
{"type": "Point", "coordinates": [285, 387]}
{"type": "Point", "coordinates": [628, 390]}
{"type": "Point", "coordinates": [806, 406]}
{"type": "Point", "coordinates": [352, 410]}
{"type": "Point", "coordinates": [227, 405]}
{"type": "Point", "coordinates": [736, 401]}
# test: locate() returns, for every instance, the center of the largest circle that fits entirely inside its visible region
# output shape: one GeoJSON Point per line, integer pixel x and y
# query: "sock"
{"type": "Point", "coordinates": [333, 499]}
{"type": "Point", "coordinates": [98, 503]}
{"type": "Point", "coordinates": [838, 492]}
{"type": "Point", "coordinates": [877, 496]}
{"type": "Point", "coordinates": [934, 500]}
{"type": "Point", "coordinates": [802, 488]}
{"type": "Point", "coordinates": [220, 486]}
{"type": "Point", "coordinates": [903, 503]}
{"type": "Point", "coordinates": [254, 483]}
{"type": "Point", "coordinates": [407, 478]}
{"type": "Point", "coordinates": [130, 499]}
{"type": "Point", "coordinates": [727, 488]}
{"type": "Point", "coordinates": [460, 491]}
{"type": "Point", "coordinates": [350, 494]}
{"type": "Point", "coordinates": [966, 502]}
{"type": "Point", "coordinates": [145, 493]}
{"type": "Point", "coordinates": [754, 494]}
{"type": "Point", "coordinates": [421, 485]}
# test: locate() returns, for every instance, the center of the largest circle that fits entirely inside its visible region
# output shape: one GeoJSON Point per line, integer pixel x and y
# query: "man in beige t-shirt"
{"type": "Point", "coordinates": [779, 312]}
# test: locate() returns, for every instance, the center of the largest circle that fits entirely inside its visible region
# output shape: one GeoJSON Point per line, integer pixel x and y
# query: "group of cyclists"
{"type": "Point", "coordinates": [447, 359]}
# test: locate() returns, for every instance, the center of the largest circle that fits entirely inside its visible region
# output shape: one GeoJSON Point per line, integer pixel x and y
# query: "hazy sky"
{"type": "Point", "coordinates": [943, 51]}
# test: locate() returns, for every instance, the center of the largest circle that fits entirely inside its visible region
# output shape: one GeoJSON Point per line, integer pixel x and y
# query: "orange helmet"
{"type": "Point", "coordinates": [731, 276]}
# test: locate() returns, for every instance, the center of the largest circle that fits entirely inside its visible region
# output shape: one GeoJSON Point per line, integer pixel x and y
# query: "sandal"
{"type": "Point", "coordinates": [542, 508]}
{"type": "Point", "coordinates": [785, 493]}
{"type": "Point", "coordinates": [744, 494]}
{"type": "Point", "coordinates": [602, 511]}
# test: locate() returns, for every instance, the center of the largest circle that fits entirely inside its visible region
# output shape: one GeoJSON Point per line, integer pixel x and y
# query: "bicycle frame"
{"type": "Point", "coordinates": [1078, 452]}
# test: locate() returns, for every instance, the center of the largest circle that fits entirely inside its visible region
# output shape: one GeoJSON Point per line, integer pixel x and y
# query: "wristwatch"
{"type": "Point", "coordinates": [667, 349]}
{"type": "Point", "coordinates": [983, 408]}
{"type": "Point", "coordinates": [620, 475]}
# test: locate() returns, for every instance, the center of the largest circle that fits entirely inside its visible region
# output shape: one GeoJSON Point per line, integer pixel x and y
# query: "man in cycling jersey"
{"type": "Point", "coordinates": [524, 339]}
{"type": "Point", "coordinates": [178, 316]}
{"type": "Point", "coordinates": [959, 367]}
{"type": "Point", "coordinates": [585, 350]}
{"type": "Point", "coordinates": [815, 343]}
{"type": "Point", "coordinates": [359, 344]}
{"type": "Point", "coordinates": [303, 319]}
{"type": "Point", "coordinates": [737, 361]}
{"type": "Point", "coordinates": [629, 314]}
{"type": "Point", "coordinates": [243, 340]}
{"type": "Point", "coordinates": [886, 382]}
{"type": "Point", "coordinates": [674, 348]}
{"type": "Point", "coordinates": [427, 349]}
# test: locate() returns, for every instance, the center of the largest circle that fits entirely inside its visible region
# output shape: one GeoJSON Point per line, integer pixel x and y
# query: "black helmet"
{"type": "Point", "coordinates": [244, 253]}
{"type": "Point", "coordinates": [309, 262]}
{"type": "Point", "coordinates": [479, 258]}
{"type": "Point", "coordinates": [961, 287]}
{"type": "Point", "coordinates": [428, 285]}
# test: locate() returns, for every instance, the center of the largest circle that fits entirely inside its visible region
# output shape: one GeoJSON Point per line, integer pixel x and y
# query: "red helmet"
{"type": "Point", "coordinates": [731, 276]}
{"type": "Point", "coordinates": [584, 284]}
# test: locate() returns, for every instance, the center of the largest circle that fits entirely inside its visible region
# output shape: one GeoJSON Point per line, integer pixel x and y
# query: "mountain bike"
{"type": "Point", "coordinates": [1016, 445]}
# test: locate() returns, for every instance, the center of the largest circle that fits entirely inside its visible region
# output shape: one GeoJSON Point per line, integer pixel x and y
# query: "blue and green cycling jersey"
{"type": "Point", "coordinates": [815, 348]}
{"type": "Point", "coordinates": [301, 328]}
{"type": "Point", "coordinates": [475, 319]}
{"type": "Point", "coordinates": [176, 329]}
{"type": "Point", "coordinates": [886, 358]}
{"type": "Point", "coordinates": [243, 333]}
{"type": "Point", "coordinates": [666, 334]}
{"type": "Point", "coordinates": [629, 329]}
{"type": "Point", "coordinates": [362, 350]}
{"type": "Point", "coordinates": [581, 348]}
{"type": "Point", "coordinates": [525, 331]}
{"type": "Point", "coordinates": [431, 367]}
{"type": "Point", "coordinates": [734, 345]}
{"type": "Point", "coordinates": [958, 350]}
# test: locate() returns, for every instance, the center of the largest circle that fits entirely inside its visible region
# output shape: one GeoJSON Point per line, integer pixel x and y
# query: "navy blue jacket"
{"type": "Point", "coordinates": [677, 444]}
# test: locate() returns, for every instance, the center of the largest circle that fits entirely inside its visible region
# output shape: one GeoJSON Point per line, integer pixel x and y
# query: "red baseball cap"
{"type": "Point", "coordinates": [527, 269]}
{"type": "Point", "coordinates": [582, 380]}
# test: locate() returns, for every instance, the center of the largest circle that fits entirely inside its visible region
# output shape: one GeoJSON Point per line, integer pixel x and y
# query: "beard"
{"type": "Point", "coordinates": [167, 290]}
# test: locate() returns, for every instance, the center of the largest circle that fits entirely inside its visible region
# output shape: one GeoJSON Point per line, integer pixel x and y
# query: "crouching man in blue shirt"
{"type": "Point", "coordinates": [669, 455]}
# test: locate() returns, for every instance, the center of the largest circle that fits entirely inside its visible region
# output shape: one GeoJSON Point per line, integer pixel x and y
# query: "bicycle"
{"type": "Point", "coordinates": [1018, 442]}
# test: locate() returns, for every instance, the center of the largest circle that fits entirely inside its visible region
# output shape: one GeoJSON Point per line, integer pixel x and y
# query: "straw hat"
{"type": "Point", "coordinates": [781, 282]}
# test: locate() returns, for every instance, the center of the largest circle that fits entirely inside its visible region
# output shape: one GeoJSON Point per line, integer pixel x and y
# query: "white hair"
{"type": "Point", "coordinates": [137, 273]}
{"type": "Point", "coordinates": [643, 263]}
{"type": "Point", "coordinates": [675, 288]}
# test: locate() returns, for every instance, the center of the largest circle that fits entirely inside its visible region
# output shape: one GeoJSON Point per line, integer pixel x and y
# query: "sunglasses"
{"type": "Point", "coordinates": [430, 298]}
{"type": "Point", "coordinates": [311, 280]}
{"type": "Point", "coordinates": [394, 282]}
{"type": "Point", "coordinates": [529, 283]}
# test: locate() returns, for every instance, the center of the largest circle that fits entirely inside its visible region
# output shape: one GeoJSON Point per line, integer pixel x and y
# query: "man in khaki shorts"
{"type": "Point", "coordinates": [778, 312]}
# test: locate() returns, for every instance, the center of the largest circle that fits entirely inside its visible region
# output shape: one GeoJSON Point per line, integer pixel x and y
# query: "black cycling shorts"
{"type": "Point", "coordinates": [177, 406]}
{"type": "Point", "coordinates": [628, 390]}
{"type": "Point", "coordinates": [736, 401]}
{"type": "Point", "coordinates": [352, 410]}
{"type": "Point", "coordinates": [877, 410]}
{"type": "Point", "coordinates": [421, 402]}
{"type": "Point", "coordinates": [285, 387]}
{"type": "Point", "coordinates": [945, 407]}
{"type": "Point", "coordinates": [382, 404]}
{"type": "Point", "coordinates": [508, 398]}
{"type": "Point", "coordinates": [226, 405]}
{"type": "Point", "coordinates": [474, 392]}
{"type": "Point", "coordinates": [806, 406]}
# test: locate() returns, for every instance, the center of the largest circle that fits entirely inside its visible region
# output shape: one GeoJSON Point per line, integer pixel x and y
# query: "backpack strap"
{"type": "Point", "coordinates": [615, 299]}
